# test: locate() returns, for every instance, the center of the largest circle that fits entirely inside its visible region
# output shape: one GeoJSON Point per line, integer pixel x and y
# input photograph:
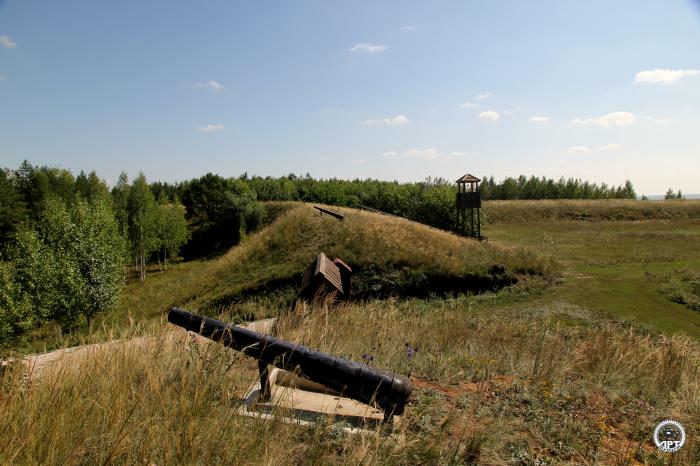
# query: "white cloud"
{"type": "Point", "coordinates": [606, 121]}
{"type": "Point", "coordinates": [215, 86]}
{"type": "Point", "coordinates": [5, 41]}
{"type": "Point", "coordinates": [483, 95]}
{"type": "Point", "coordinates": [408, 28]}
{"type": "Point", "coordinates": [469, 105]}
{"type": "Point", "coordinates": [616, 119]}
{"type": "Point", "coordinates": [610, 147]}
{"type": "Point", "coordinates": [489, 115]}
{"type": "Point", "coordinates": [663, 76]}
{"type": "Point", "coordinates": [540, 120]}
{"type": "Point", "coordinates": [209, 128]}
{"type": "Point", "coordinates": [579, 150]}
{"type": "Point", "coordinates": [2, 78]}
{"type": "Point", "coordinates": [429, 153]}
{"type": "Point", "coordinates": [368, 48]}
{"type": "Point", "coordinates": [398, 120]}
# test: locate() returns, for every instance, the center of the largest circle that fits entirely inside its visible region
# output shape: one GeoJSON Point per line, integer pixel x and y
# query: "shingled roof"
{"type": "Point", "coordinates": [468, 179]}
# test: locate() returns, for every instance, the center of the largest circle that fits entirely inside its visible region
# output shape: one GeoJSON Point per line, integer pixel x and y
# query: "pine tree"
{"type": "Point", "coordinates": [90, 186]}
{"type": "Point", "coordinates": [32, 187]}
{"type": "Point", "coordinates": [12, 209]}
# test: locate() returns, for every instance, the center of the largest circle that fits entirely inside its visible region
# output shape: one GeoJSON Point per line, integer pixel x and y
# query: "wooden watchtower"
{"type": "Point", "coordinates": [469, 206]}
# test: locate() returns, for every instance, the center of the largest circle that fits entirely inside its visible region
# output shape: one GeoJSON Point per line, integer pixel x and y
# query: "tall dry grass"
{"type": "Point", "coordinates": [167, 402]}
{"type": "Point", "coordinates": [547, 383]}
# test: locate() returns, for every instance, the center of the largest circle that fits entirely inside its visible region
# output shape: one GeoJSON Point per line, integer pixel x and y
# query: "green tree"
{"type": "Point", "coordinates": [12, 209]}
{"type": "Point", "coordinates": [45, 268]}
{"type": "Point", "coordinates": [61, 182]}
{"type": "Point", "coordinates": [68, 267]}
{"type": "Point", "coordinates": [670, 194]}
{"type": "Point", "coordinates": [219, 211]}
{"type": "Point", "coordinates": [142, 223]}
{"type": "Point", "coordinates": [32, 187]}
{"type": "Point", "coordinates": [98, 250]}
{"type": "Point", "coordinates": [16, 312]}
{"type": "Point", "coordinates": [172, 231]}
{"type": "Point", "coordinates": [90, 186]}
{"type": "Point", "coordinates": [35, 185]}
{"type": "Point", "coordinates": [120, 201]}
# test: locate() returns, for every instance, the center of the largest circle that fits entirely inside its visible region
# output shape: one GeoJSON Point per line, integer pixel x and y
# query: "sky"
{"type": "Point", "coordinates": [600, 90]}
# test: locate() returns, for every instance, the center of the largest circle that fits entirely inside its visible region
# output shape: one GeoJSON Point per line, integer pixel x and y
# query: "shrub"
{"type": "Point", "coordinates": [67, 267]}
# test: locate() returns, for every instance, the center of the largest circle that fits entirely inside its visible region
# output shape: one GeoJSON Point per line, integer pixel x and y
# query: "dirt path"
{"type": "Point", "coordinates": [38, 365]}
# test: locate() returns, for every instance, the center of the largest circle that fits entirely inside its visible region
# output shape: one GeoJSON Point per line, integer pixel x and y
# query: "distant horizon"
{"type": "Point", "coordinates": [110, 182]}
{"type": "Point", "coordinates": [660, 197]}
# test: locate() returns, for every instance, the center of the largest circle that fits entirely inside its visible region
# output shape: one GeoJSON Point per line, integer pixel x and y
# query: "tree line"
{"type": "Point", "coordinates": [431, 201]}
{"type": "Point", "coordinates": [69, 243]}
{"type": "Point", "coordinates": [61, 252]}
{"type": "Point", "coordinates": [348, 192]}
{"type": "Point", "coordinates": [548, 188]}
{"type": "Point", "coordinates": [672, 195]}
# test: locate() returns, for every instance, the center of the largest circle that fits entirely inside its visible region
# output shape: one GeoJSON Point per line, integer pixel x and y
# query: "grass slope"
{"type": "Point", "coordinates": [388, 255]}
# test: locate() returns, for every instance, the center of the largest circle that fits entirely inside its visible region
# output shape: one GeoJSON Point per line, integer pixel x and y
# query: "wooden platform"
{"type": "Point", "coordinates": [297, 400]}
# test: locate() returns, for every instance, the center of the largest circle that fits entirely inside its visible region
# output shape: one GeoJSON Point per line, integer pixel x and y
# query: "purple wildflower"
{"type": "Point", "coordinates": [410, 350]}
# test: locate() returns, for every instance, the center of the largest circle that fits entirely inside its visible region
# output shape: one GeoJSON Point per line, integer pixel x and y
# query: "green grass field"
{"type": "Point", "coordinates": [614, 268]}
{"type": "Point", "coordinates": [574, 363]}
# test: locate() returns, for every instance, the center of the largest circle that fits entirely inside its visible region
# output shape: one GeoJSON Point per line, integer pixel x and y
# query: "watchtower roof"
{"type": "Point", "coordinates": [468, 178]}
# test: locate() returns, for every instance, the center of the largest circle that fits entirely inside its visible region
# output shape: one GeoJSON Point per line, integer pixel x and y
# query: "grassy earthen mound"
{"type": "Point", "coordinates": [389, 256]}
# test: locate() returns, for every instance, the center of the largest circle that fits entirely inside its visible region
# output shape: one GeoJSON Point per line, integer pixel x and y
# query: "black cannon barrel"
{"type": "Point", "coordinates": [357, 381]}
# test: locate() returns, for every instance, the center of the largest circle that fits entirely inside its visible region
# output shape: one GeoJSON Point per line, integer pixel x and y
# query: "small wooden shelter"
{"type": "Point", "coordinates": [324, 277]}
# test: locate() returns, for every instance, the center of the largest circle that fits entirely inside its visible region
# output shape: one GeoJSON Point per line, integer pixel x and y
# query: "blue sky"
{"type": "Point", "coordinates": [602, 90]}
